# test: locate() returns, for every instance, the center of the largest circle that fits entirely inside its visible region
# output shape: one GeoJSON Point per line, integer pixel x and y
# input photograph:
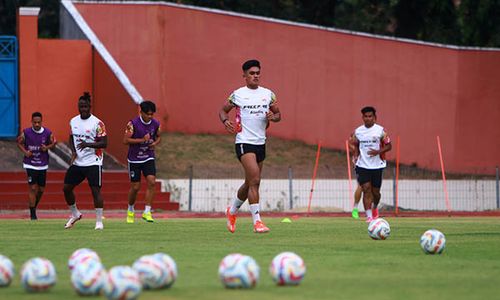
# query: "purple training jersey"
{"type": "Point", "coordinates": [138, 153]}
{"type": "Point", "coordinates": [32, 142]}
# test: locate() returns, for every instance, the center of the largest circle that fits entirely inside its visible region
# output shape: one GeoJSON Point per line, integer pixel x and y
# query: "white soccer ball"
{"type": "Point", "coordinates": [123, 283]}
{"type": "Point", "coordinates": [38, 274]}
{"type": "Point", "coordinates": [433, 241]}
{"type": "Point", "coordinates": [152, 272]}
{"type": "Point", "coordinates": [6, 271]}
{"type": "Point", "coordinates": [89, 277]}
{"type": "Point", "coordinates": [82, 255]}
{"type": "Point", "coordinates": [170, 268]}
{"type": "Point", "coordinates": [379, 229]}
{"type": "Point", "coordinates": [287, 268]}
{"type": "Point", "coordinates": [238, 271]}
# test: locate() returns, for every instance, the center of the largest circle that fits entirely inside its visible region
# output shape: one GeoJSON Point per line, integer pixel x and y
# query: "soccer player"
{"type": "Point", "coordinates": [372, 142]}
{"type": "Point", "coordinates": [86, 140]}
{"type": "Point", "coordinates": [255, 107]}
{"type": "Point", "coordinates": [142, 135]}
{"type": "Point", "coordinates": [35, 143]}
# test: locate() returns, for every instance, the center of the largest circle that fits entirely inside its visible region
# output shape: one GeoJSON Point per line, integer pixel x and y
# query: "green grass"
{"type": "Point", "coordinates": [342, 261]}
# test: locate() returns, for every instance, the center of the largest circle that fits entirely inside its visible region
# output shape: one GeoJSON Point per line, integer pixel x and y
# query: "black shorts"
{"type": "Point", "coordinates": [259, 150]}
{"type": "Point", "coordinates": [147, 168]}
{"type": "Point", "coordinates": [370, 175]}
{"type": "Point", "coordinates": [76, 174]}
{"type": "Point", "coordinates": [38, 177]}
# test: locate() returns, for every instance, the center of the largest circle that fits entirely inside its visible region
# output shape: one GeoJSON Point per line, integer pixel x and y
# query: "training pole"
{"type": "Point", "coordinates": [444, 177]}
{"type": "Point", "coordinates": [349, 173]}
{"type": "Point", "coordinates": [313, 178]}
{"type": "Point", "coordinates": [397, 175]}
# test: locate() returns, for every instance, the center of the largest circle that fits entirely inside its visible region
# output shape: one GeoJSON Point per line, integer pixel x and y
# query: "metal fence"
{"type": "Point", "coordinates": [466, 192]}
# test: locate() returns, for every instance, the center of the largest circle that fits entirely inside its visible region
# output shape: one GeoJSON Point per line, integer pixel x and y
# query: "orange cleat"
{"type": "Point", "coordinates": [259, 227]}
{"type": "Point", "coordinates": [231, 221]}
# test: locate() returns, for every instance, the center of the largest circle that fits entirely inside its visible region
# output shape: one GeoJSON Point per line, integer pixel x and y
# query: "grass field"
{"type": "Point", "coordinates": [342, 261]}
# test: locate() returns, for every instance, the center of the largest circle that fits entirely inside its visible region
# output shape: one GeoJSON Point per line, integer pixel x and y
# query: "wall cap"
{"type": "Point", "coordinates": [29, 11]}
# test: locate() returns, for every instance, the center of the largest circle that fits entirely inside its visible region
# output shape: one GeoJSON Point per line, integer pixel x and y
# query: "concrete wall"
{"type": "Point", "coordinates": [334, 195]}
{"type": "Point", "coordinates": [188, 60]}
{"type": "Point", "coordinates": [52, 76]}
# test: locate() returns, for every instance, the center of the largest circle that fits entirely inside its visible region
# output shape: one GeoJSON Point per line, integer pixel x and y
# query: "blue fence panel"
{"type": "Point", "coordinates": [9, 95]}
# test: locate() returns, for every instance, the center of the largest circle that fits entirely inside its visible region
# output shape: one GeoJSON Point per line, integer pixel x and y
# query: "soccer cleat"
{"type": "Point", "coordinates": [231, 221]}
{"type": "Point", "coordinates": [148, 217]}
{"type": "Point", "coordinates": [375, 213]}
{"type": "Point", "coordinates": [259, 227]}
{"type": "Point", "coordinates": [130, 216]}
{"type": "Point", "coordinates": [99, 226]}
{"type": "Point", "coordinates": [355, 213]}
{"type": "Point", "coordinates": [72, 220]}
{"type": "Point", "coordinates": [369, 219]}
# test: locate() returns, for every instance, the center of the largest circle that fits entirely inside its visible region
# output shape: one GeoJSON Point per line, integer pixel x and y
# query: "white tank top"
{"type": "Point", "coordinates": [370, 138]}
{"type": "Point", "coordinates": [252, 106]}
{"type": "Point", "coordinates": [87, 130]}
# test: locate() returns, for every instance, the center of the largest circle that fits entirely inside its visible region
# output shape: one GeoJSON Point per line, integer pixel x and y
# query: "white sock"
{"type": "Point", "coordinates": [368, 213]}
{"type": "Point", "coordinates": [98, 215]}
{"type": "Point", "coordinates": [131, 208]}
{"type": "Point", "coordinates": [356, 205]}
{"type": "Point", "coordinates": [74, 211]}
{"type": "Point", "coordinates": [147, 209]}
{"type": "Point", "coordinates": [237, 203]}
{"type": "Point", "coordinates": [254, 209]}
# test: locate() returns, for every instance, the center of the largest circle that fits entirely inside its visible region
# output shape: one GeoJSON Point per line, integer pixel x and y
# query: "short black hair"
{"type": "Point", "coordinates": [250, 63]}
{"type": "Point", "coordinates": [85, 97]}
{"type": "Point", "coordinates": [148, 106]}
{"type": "Point", "coordinates": [36, 114]}
{"type": "Point", "coordinates": [366, 109]}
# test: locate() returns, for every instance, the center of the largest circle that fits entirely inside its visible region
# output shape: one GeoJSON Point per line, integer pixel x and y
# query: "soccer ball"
{"type": "Point", "coordinates": [82, 255]}
{"type": "Point", "coordinates": [6, 270]}
{"type": "Point", "coordinates": [238, 271]}
{"type": "Point", "coordinates": [287, 268]}
{"type": "Point", "coordinates": [88, 277]}
{"type": "Point", "coordinates": [379, 229]}
{"type": "Point", "coordinates": [123, 283]}
{"type": "Point", "coordinates": [152, 272]}
{"type": "Point", "coordinates": [38, 274]}
{"type": "Point", "coordinates": [433, 241]}
{"type": "Point", "coordinates": [170, 268]}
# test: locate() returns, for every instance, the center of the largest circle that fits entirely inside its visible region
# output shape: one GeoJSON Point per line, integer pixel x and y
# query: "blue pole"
{"type": "Point", "coordinates": [498, 189]}
{"type": "Point", "coordinates": [190, 187]}
{"type": "Point", "coordinates": [290, 186]}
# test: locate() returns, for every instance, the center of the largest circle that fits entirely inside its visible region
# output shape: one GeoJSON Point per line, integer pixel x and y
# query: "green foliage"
{"type": "Point", "coordinates": [465, 22]}
{"type": "Point", "coordinates": [342, 261]}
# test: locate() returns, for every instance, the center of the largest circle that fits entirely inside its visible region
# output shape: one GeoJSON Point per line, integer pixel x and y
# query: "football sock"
{"type": "Point", "coordinates": [74, 210]}
{"type": "Point", "coordinates": [147, 209]}
{"type": "Point", "coordinates": [98, 214]}
{"type": "Point", "coordinates": [356, 205]}
{"type": "Point", "coordinates": [254, 209]}
{"type": "Point", "coordinates": [368, 213]}
{"type": "Point", "coordinates": [237, 203]}
{"type": "Point", "coordinates": [33, 213]}
{"type": "Point", "coordinates": [131, 208]}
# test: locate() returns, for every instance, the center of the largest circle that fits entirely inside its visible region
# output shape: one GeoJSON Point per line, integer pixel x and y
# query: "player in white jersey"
{"type": "Point", "coordinates": [87, 139]}
{"type": "Point", "coordinates": [255, 107]}
{"type": "Point", "coordinates": [371, 142]}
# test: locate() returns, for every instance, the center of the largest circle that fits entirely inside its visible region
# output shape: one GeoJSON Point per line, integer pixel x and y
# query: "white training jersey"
{"type": "Point", "coordinates": [88, 130]}
{"type": "Point", "coordinates": [370, 138]}
{"type": "Point", "coordinates": [252, 105]}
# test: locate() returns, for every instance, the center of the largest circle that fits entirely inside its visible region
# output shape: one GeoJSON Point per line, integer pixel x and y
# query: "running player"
{"type": "Point", "coordinates": [255, 107]}
{"type": "Point", "coordinates": [35, 143]}
{"type": "Point", "coordinates": [142, 135]}
{"type": "Point", "coordinates": [87, 139]}
{"type": "Point", "coordinates": [372, 143]}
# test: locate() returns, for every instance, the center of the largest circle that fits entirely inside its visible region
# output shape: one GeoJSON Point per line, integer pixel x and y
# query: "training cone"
{"type": "Point", "coordinates": [286, 220]}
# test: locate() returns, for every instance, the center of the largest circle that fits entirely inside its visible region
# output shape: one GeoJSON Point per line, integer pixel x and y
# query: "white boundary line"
{"type": "Point", "coordinates": [94, 40]}
{"type": "Point", "coordinates": [273, 20]}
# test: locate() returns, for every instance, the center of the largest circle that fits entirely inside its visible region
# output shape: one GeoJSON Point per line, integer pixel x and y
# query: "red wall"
{"type": "Point", "coordinates": [53, 74]}
{"type": "Point", "coordinates": [189, 61]}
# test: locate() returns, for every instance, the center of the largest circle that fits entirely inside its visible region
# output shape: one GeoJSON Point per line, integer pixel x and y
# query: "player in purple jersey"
{"type": "Point", "coordinates": [35, 143]}
{"type": "Point", "coordinates": [142, 135]}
